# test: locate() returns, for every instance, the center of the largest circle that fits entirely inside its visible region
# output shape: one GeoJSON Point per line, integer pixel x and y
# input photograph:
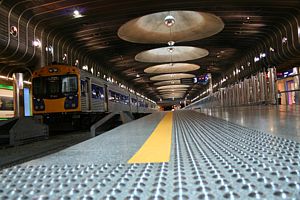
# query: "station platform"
{"type": "Point", "coordinates": [166, 155]}
{"type": "Point", "coordinates": [280, 120]}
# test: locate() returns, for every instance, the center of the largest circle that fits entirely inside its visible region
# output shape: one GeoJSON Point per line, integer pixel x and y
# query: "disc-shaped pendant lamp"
{"type": "Point", "coordinates": [183, 25]}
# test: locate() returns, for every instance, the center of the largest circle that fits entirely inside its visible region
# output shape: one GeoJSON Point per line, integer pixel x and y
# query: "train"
{"type": "Point", "coordinates": [67, 92]}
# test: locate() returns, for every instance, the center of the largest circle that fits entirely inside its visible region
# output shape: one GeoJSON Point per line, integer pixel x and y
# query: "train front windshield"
{"type": "Point", "coordinates": [51, 87]}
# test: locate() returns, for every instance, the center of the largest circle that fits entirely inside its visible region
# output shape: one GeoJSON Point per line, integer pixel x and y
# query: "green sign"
{"type": "Point", "coordinates": [7, 87]}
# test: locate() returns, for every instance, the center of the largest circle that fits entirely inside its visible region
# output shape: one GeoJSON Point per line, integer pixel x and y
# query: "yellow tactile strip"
{"type": "Point", "coordinates": [157, 147]}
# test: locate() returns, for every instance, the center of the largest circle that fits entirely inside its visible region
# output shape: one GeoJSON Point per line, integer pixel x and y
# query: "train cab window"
{"type": "Point", "coordinates": [53, 86]}
{"type": "Point", "coordinates": [39, 87]}
{"type": "Point", "coordinates": [69, 84]}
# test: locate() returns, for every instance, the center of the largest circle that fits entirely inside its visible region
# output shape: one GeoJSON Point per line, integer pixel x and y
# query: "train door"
{"type": "Point", "coordinates": [89, 91]}
{"type": "Point", "coordinates": [84, 97]}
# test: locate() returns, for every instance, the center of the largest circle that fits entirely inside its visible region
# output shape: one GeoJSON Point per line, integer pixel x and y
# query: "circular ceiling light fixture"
{"type": "Point", "coordinates": [169, 20]}
{"type": "Point", "coordinates": [170, 82]}
{"type": "Point", "coordinates": [172, 87]}
{"type": "Point", "coordinates": [171, 68]}
{"type": "Point", "coordinates": [163, 54]}
{"type": "Point", "coordinates": [171, 76]}
{"type": "Point", "coordinates": [171, 49]}
{"type": "Point", "coordinates": [171, 43]}
{"type": "Point", "coordinates": [173, 93]}
{"type": "Point", "coordinates": [77, 14]}
{"type": "Point", "coordinates": [189, 26]}
{"type": "Point", "coordinates": [14, 31]}
{"type": "Point", "coordinates": [171, 46]}
{"type": "Point", "coordinates": [173, 90]}
{"type": "Point", "coordinates": [36, 43]}
{"type": "Point", "coordinates": [172, 96]}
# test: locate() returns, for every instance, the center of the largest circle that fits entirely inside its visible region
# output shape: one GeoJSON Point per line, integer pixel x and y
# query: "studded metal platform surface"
{"type": "Point", "coordinates": [211, 159]}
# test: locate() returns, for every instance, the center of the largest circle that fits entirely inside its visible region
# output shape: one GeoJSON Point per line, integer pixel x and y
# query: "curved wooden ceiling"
{"type": "Point", "coordinates": [250, 27]}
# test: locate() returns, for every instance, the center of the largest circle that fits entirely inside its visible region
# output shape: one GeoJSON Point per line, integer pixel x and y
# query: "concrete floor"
{"type": "Point", "coordinates": [10, 156]}
{"type": "Point", "coordinates": [211, 158]}
{"type": "Point", "coordinates": [282, 121]}
{"type": "Point", "coordinates": [113, 147]}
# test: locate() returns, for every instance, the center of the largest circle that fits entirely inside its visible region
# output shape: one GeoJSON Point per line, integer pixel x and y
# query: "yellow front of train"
{"type": "Point", "coordinates": [55, 89]}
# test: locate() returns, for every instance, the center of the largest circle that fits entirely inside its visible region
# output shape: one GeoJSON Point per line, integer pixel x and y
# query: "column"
{"type": "Point", "coordinates": [210, 85]}
{"type": "Point", "coordinates": [222, 97]}
{"type": "Point", "coordinates": [273, 86]}
{"type": "Point", "coordinates": [254, 89]}
{"type": "Point", "coordinates": [262, 86]}
{"type": "Point", "coordinates": [18, 95]}
{"type": "Point", "coordinates": [297, 85]}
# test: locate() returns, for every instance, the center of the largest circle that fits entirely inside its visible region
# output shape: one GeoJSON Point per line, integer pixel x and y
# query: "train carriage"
{"type": "Point", "coordinates": [142, 105]}
{"type": "Point", "coordinates": [133, 103]}
{"type": "Point", "coordinates": [55, 90]}
{"type": "Point", "coordinates": [67, 90]}
{"type": "Point", "coordinates": [118, 99]}
{"type": "Point", "coordinates": [93, 96]}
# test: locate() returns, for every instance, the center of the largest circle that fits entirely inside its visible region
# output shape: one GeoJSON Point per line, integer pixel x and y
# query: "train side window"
{"type": "Point", "coordinates": [112, 95]}
{"type": "Point", "coordinates": [135, 102]}
{"type": "Point", "coordinates": [141, 104]}
{"type": "Point", "coordinates": [97, 92]}
{"type": "Point", "coordinates": [118, 98]}
{"type": "Point", "coordinates": [101, 91]}
{"type": "Point", "coordinates": [126, 99]}
{"type": "Point", "coordinates": [123, 99]}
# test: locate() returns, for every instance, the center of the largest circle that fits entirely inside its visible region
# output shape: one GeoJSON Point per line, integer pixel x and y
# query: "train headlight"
{"type": "Point", "coordinates": [38, 104]}
{"type": "Point", "coordinates": [71, 102]}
